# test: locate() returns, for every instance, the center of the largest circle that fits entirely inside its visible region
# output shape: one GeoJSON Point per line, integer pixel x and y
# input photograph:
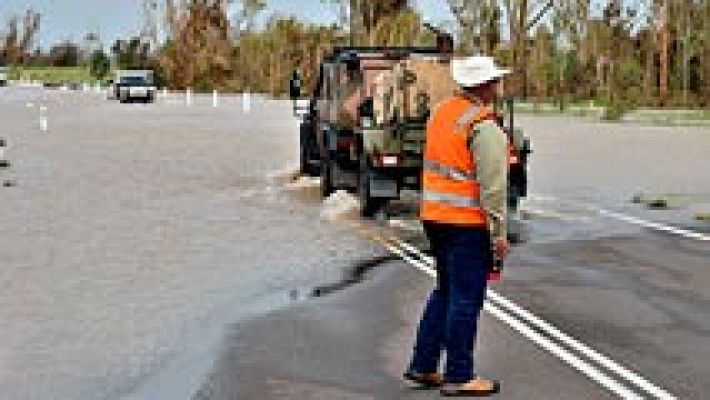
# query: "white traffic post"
{"type": "Point", "coordinates": [246, 102]}
{"type": "Point", "coordinates": [4, 165]}
{"type": "Point", "coordinates": [43, 122]}
{"type": "Point", "coordinates": [3, 146]}
{"type": "Point", "coordinates": [188, 97]}
{"type": "Point", "coordinates": [165, 93]}
{"type": "Point", "coordinates": [215, 99]}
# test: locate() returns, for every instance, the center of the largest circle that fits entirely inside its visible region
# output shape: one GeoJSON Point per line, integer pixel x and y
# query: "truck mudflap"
{"type": "Point", "coordinates": [343, 178]}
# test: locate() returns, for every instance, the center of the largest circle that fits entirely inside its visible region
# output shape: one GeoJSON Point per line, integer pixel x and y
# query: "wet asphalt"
{"type": "Point", "coordinates": [168, 252]}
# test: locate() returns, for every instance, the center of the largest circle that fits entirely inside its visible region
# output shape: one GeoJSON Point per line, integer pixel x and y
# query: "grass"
{"type": "Point", "coordinates": [673, 117]}
{"type": "Point", "coordinates": [52, 74]}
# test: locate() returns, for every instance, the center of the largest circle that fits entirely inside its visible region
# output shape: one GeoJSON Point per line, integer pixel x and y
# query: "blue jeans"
{"type": "Point", "coordinates": [463, 258]}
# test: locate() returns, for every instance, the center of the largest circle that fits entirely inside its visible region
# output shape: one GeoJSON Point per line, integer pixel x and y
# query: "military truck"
{"type": "Point", "coordinates": [364, 128]}
{"type": "Point", "coordinates": [362, 132]}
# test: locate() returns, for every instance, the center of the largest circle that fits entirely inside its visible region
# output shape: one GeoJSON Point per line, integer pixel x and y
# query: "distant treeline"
{"type": "Point", "coordinates": [618, 52]}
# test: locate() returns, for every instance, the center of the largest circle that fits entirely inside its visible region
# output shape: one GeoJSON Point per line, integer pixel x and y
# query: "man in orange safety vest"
{"type": "Point", "coordinates": [463, 209]}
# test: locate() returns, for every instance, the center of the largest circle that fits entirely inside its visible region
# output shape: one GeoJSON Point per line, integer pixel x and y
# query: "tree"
{"type": "Point", "coordinates": [246, 14]}
{"type": "Point", "coordinates": [65, 54]}
{"type": "Point", "coordinates": [131, 54]}
{"type": "Point", "coordinates": [664, 48]}
{"type": "Point", "coordinates": [18, 40]}
{"type": "Point", "coordinates": [479, 24]}
{"type": "Point", "coordinates": [99, 64]}
{"type": "Point", "coordinates": [197, 53]}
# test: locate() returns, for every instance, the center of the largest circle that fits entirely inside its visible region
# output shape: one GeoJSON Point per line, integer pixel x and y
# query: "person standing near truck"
{"type": "Point", "coordinates": [463, 210]}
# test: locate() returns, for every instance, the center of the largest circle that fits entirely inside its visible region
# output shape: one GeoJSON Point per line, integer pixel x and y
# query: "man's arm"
{"type": "Point", "coordinates": [489, 145]}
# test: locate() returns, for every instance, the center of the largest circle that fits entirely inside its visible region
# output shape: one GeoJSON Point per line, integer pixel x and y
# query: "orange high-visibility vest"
{"type": "Point", "coordinates": [451, 192]}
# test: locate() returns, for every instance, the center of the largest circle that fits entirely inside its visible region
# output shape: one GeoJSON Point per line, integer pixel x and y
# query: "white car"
{"type": "Point", "coordinates": [134, 85]}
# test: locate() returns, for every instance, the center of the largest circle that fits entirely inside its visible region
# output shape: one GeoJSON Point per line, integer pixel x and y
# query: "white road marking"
{"type": "Point", "coordinates": [686, 233]}
{"type": "Point", "coordinates": [655, 225]}
{"type": "Point", "coordinates": [590, 371]}
{"type": "Point", "coordinates": [561, 353]}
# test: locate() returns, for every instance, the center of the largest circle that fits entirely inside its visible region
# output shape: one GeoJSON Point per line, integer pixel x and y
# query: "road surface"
{"type": "Point", "coordinates": [167, 251]}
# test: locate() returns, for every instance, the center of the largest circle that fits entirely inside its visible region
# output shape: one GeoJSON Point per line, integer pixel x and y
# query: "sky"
{"type": "Point", "coordinates": [112, 19]}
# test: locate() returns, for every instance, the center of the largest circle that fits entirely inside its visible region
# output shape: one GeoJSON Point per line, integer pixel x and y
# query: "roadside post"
{"type": "Point", "coordinates": [246, 102]}
{"type": "Point", "coordinates": [3, 161]}
{"type": "Point", "coordinates": [215, 99]}
{"type": "Point", "coordinates": [5, 180]}
{"type": "Point", "coordinates": [188, 97]}
{"type": "Point", "coordinates": [43, 121]}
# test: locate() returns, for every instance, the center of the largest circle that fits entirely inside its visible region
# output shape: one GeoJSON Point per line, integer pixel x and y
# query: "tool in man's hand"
{"type": "Point", "coordinates": [494, 273]}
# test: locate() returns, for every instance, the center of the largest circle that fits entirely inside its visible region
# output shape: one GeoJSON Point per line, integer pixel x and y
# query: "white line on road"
{"type": "Point", "coordinates": [655, 225]}
{"type": "Point", "coordinates": [686, 233]}
{"type": "Point", "coordinates": [561, 353]}
{"type": "Point", "coordinates": [593, 373]}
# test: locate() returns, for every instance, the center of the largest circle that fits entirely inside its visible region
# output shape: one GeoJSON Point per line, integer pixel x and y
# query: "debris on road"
{"type": "Point", "coordinates": [701, 212]}
{"type": "Point", "coordinates": [659, 201]}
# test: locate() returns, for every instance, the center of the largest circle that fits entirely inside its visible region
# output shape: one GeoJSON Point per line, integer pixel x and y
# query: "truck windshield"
{"type": "Point", "coordinates": [134, 80]}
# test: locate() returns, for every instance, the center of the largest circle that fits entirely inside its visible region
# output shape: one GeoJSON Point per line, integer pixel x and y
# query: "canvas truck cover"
{"type": "Point", "coordinates": [411, 89]}
{"type": "Point", "coordinates": [354, 93]}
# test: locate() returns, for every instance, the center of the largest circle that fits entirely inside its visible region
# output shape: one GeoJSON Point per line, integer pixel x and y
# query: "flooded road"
{"type": "Point", "coordinates": [137, 232]}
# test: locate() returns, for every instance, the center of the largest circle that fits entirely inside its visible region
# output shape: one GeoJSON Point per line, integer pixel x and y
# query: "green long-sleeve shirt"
{"type": "Point", "coordinates": [489, 147]}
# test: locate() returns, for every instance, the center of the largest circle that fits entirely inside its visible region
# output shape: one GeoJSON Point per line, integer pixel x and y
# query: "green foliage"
{"type": "Point", "coordinates": [99, 64]}
{"type": "Point", "coordinates": [51, 74]}
{"type": "Point", "coordinates": [131, 54]}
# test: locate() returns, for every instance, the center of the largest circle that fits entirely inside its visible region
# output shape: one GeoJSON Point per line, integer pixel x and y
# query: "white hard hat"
{"type": "Point", "coordinates": [475, 70]}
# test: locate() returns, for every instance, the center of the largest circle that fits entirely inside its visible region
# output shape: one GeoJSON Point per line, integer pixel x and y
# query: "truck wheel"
{"type": "Point", "coordinates": [304, 161]}
{"type": "Point", "coordinates": [369, 205]}
{"type": "Point", "coordinates": [326, 177]}
{"type": "Point", "coordinates": [514, 225]}
{"type": "Point", "coordinates": [307, 167]}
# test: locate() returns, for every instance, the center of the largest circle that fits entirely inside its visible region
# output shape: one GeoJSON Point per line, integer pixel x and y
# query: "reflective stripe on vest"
{"type": "Point", "coordinates": [450, 199]}
{"type": "Point", "coordinates": [465, 119]}
{"type": "Point", "coordinates": [449, 172]}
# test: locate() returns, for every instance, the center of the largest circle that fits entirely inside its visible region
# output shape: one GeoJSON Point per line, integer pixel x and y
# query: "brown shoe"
{"type": "Point", "coordinates": [424, 381]}
{"type": "Point", "coordinates": [478, 387]}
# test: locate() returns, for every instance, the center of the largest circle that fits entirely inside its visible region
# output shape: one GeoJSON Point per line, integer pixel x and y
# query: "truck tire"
{"type": "Point", "coordinates": [369, 206]}
{"type": "Point", "coordinates": [307, 167]}
{"type": "Point", "coordinates": [514, 225]}
{"type": "Point", "coordinates": [326, 175]}
{"type": "Point", "coordinates": [304, 160]}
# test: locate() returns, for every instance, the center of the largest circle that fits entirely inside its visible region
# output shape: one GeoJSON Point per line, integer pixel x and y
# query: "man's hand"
{"type": "Point", "coordinates": [501, 246]}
